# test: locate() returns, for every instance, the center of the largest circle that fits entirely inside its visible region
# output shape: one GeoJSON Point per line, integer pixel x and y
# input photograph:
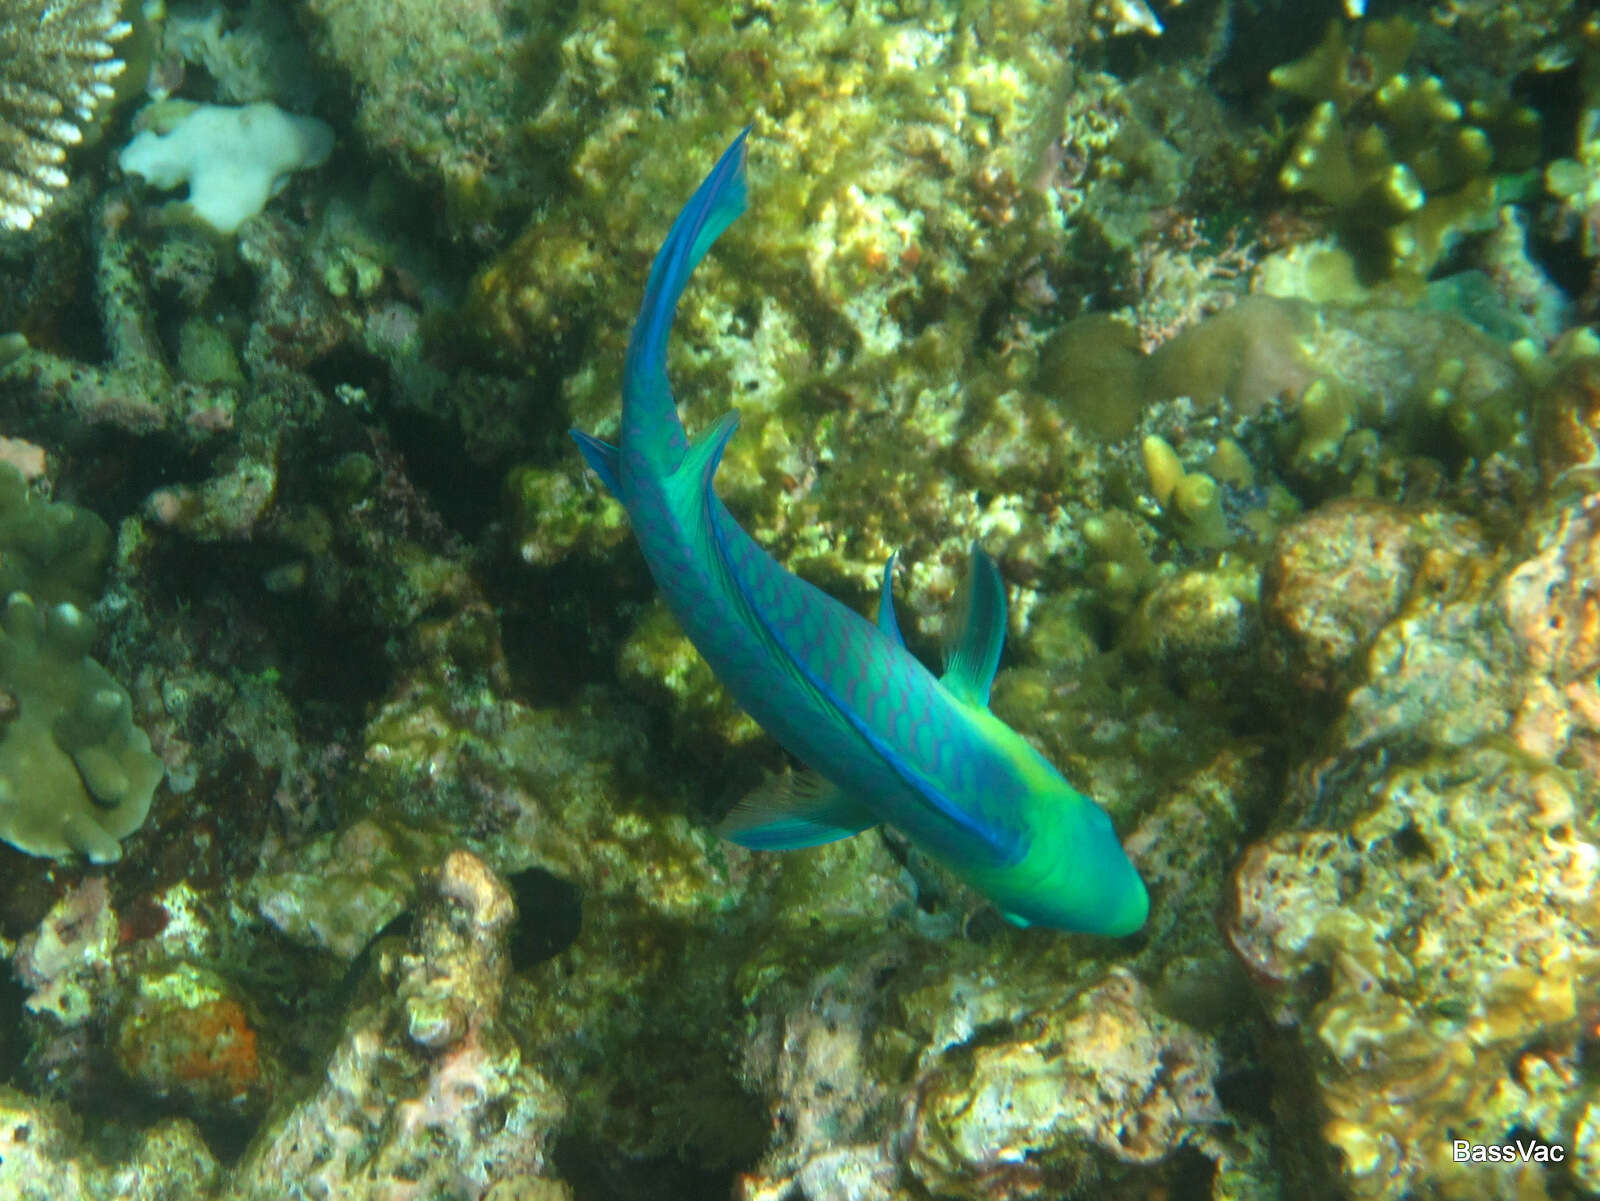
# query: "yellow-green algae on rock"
{"type": "Point", "coordinates": [914, 170]}
{"type": "Point", "coordinates": [76, 775]}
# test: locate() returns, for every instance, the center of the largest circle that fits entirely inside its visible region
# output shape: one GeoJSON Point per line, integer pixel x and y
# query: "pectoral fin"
{"type": "Point", "coordinates": [793, 810]}
{"type": "Point", "coordinates": [980, 632]}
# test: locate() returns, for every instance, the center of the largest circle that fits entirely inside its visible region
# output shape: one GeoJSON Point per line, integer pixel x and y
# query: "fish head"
{"type": "Point", "coordinates": [1074, 874]}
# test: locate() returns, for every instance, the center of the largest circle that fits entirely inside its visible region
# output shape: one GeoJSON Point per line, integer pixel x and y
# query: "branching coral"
{"type": "Point", "coordinates": [1405, 165]}
{"type": "Point", "coordinates": [1575, 182]}
{"type": "Point", "coordinates": [56, 65]}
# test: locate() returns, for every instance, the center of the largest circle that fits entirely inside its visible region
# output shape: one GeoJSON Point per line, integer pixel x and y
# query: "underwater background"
{"type": "Point", "coordinates": [357, 791]}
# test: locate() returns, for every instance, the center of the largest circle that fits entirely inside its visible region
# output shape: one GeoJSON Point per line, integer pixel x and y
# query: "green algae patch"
{"type": "Point", "coordinates": [76, 775]}
{"type": "Point", "coordinates": [1245, 357]}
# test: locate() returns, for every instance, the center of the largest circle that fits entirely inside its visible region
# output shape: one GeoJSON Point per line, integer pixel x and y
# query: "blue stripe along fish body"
{"type": "Point", "coordinates": [885, 740]}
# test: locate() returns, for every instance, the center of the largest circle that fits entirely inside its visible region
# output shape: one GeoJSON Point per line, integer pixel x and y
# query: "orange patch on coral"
{"type": "Point", "coordinates": [207, 1052]}
{"type": "Point", "coordinates": [222, 1048]}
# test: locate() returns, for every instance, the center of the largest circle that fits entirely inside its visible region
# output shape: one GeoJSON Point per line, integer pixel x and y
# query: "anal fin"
{"type": "Point", "coordinates": [794, 810]}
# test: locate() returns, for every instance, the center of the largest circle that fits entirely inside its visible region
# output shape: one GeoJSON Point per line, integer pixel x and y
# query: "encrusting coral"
{"type": "Point", "coordinates": [1427, 926]}
{"type": "Point", "coordinates": [425, 1091]}
{"type": "Point", "coordinates": [1300, 595]}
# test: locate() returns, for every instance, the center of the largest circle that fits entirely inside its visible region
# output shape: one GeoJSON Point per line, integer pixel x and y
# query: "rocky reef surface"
{"type": "Point", "coordinates": [356, 792]}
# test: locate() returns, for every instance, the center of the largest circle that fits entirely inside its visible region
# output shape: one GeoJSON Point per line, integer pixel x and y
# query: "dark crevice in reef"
{"type": "Point", "coordinates": [549, 913]}
{"type": "Point", "coordinates": [562, 626]}
{"type": "Point", "coordinates": [599, 1173]}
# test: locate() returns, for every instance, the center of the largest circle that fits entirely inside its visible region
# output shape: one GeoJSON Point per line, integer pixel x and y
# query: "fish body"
{"type": "Point", "coordinates": [886, 741]}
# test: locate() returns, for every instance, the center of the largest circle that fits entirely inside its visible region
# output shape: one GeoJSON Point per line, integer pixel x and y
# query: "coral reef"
{"type": "Point", "coordinates": [1536, 35]}
{"type": "Point", "coordinates": [41, 1158]}
{"type": "Point", "coordinates": [1014, 1116]}
{"type": "Point", "coordinates": [342, 889]}
{"type": "Point", "coordinates": [66, 961]}
{"type": "Point", "coordinates": [134, 390]}
{"type": "Point", "coordinates": [247, 53]}
{"type": "Point", "coordinates": [1445, 895]}
{"type": "Point", "coordinates": [1339, 575]}
{"type": "Point", "coordinates": [1104, 1071]}
{"type": "Point", "coordinates": [1294, 496]}
{"type": "Point", "coordinates": [902, 272]}
{"type": "Point", "coordinates": [233, 160]}
{"type": "Point", "coordinates": [426, 1091]}
{"type": "Point", "coordinates": [184, 1035]}
{"type": "Point", "coordinates": [54, 552]}
{"type": "Point", "coordinates": [441, 94]}
{"type": "Point", "coordinates": [1575, 181]}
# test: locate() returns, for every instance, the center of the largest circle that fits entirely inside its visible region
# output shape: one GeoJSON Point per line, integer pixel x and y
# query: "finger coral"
{"type": "Point", "coordinates": [75, 773]}
{"type": "Point", "coordinates": [56, 65]}
{"type": "Point", "coordinates": [53, 552]}
{"type": "Point", "coordinates": [1405, 165]}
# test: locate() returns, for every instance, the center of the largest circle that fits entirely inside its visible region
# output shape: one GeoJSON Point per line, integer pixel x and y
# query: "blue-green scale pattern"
{"type": "Point", "coordinates": [839, 692]}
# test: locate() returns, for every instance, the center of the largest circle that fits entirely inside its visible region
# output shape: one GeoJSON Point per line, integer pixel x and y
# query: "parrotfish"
{"type": "Point", "coordinates": [884, 739]}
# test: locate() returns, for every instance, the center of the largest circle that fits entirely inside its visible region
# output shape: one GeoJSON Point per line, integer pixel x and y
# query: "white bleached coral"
{"type": "Point", "coordinates": [233, 159]}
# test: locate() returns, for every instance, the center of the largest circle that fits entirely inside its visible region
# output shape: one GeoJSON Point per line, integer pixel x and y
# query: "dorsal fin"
{"type": "Point", "coordinates": [979, 629]}
{"type": "Point", "coordinates": [886, 619]}
{"type": "Point", "coordinates": [700, 464]}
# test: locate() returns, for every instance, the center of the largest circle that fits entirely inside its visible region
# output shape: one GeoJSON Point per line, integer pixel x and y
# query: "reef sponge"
{"type": "Point", "coordinates": [234, 159]}
{"type": "Point", "coordinates": [1405, 166]}
{"type": "Point", "coordinates": [56, 65]}
{"type": "Point", "coordinates": [185, 1036]}
{"type": "Point", "coordinates": [75, 773]}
